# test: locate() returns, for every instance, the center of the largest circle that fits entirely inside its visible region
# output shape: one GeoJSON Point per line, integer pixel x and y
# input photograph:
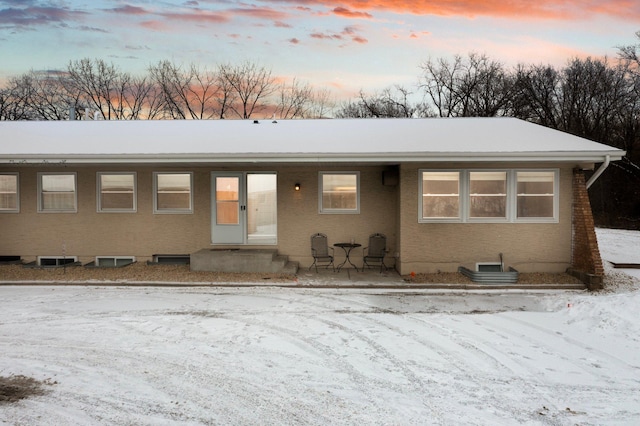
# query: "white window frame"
{"type": "Point", "coordinates": [115, 259]}
{"type": "Point", "coordinates": [99, 207]}
{"type": "Point", "coordinates": [156, 210]}
{"type": "Point", "coordinates": [556, 198]}
{"type": "Point", "coordinates": [17, 209]}
{"type": "Point", "coordinates": [322, 209]}
{"type": "Point", "coordinates": [421, 195]}
{"type": "Point", "coordinates": [41, 208]}
{"type": "Point", "coordinates": [512, 197]}
{"type": "Point", "coordinates": [73, 259]}
{"type": "Point", "coordinates": [467, 198]}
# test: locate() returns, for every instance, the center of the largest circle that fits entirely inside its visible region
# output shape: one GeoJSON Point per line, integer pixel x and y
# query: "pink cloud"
{"type": "Point", "coordinates": [540, 9]}
{"type": "Point", "coordinates": [198, 17]}
{"type": "Point", "coordinates": [346, 13]}
{"type": "Point", "coordinates": [260, 13]}
{"type": "Point", "coordinates": [294, 41]}
{"type": "Point", "coordinates": [129, 10]}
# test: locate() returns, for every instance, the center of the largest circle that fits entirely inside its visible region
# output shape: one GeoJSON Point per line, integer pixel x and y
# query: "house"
{"type": "Point", "coordinates": [447, 192]}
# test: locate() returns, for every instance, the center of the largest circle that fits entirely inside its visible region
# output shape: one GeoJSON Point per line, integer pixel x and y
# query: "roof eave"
{"type": "Point", "coordinates": [416, 157]}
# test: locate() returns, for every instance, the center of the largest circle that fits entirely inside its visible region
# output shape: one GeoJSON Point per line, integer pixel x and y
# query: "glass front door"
{"type": "Point", "coordinates": [244, 208]}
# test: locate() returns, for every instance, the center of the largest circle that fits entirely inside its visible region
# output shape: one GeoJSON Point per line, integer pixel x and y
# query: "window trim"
{"type": "Point", "coordinates": [461, 207]}
{"type": "Point", "coordinates": [556, 197]}
{"type": "Point", "coordinates": [41, 208]}
{"type": "Point", "coordinates": [467, 198]}
{"type": "Point", "coordinates": [71, 259]}
{"type": "Point", "coordinates": [101, 209]}
{"type": "Point", "coordinates": [512, 197]}
{"type": "Point", "coordinates": [17, 209]}
{"type": "Point", "coordinates": [115, 259]}
{"type": "Point", "coordinates": [156, 210]}
{"type": "Point", "coordinates": [321, 209]}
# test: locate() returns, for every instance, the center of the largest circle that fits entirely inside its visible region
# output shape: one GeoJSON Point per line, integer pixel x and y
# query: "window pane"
{"type": "Point", "coordinates": [261, 208]}
{"type": "Point", "coordinates": [535, 194]}
{"type": "Point", "coordinates": [173, 191]}
{"type": "Point", "coordinates": [8, 192]}
{"type": "Point", "coordinates": [440, 194]}
{"type": "Point", "coordinates": [227, 200]}
{"type": "Point", "coordinates": [58, 192]}
{"type": "Point", "coordinates": [339, 192]}
{"type": "Point", "coordinates": [488, 194]}
{"type": "Point", "coordinates": [117, 192]}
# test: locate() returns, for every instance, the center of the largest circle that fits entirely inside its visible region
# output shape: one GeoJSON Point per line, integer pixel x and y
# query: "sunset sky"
{"type": "Point", "coordinates": [342, 45]}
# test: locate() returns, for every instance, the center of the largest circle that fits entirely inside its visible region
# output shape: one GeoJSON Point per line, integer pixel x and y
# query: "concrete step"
{"type": "Point", "coordinates": [238, 260]}
{"type": "Point", "coordinates": [291, 268]}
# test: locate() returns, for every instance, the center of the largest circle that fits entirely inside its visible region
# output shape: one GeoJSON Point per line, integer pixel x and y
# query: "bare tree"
{"type": "Point", "coordinates": [630, 52]}
{"type": "Point", "coordinates": [294, 100]}
{"type": "Point", "coordinates": [537, 95]}
{"type": "Point", "coordinates": [186, 93]}
{"type": "Point", "coordinates": [392, 102]}
{"type": "Point", "coordinates": [322, 104]}
{"type": "Point", "coordinates": [476, 86]}
{"type": "Point", "coordinates": [250, 86]}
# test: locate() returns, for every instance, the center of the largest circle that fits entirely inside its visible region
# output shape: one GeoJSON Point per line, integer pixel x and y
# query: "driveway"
{"type": "Point", "coordinates": [247, 356]}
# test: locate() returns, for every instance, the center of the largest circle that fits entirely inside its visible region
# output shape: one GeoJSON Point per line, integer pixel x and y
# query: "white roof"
{"type": "Point", "coordinates": [293, 141]}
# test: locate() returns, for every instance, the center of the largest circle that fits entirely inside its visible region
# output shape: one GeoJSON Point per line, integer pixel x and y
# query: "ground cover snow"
{"type": "Point", "coordinates": [137, 356]}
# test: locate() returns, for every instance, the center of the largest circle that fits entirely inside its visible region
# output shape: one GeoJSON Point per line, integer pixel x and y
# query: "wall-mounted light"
{"type": "Point", "coordinates": [296, 187]}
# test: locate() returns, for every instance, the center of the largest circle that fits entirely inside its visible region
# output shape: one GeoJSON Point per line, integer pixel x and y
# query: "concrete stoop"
{"type": "Point", "coordinates": [242, 260]}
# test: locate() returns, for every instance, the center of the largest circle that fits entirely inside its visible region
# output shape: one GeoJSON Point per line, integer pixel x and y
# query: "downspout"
{"type": "Point", "coordinates": [598, 172]}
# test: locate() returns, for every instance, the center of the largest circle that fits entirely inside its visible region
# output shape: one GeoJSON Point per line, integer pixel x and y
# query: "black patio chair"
{"type": "Point", "coordinates": [375, 252]}
{"type": "Point", "coordinates": [320, 252]}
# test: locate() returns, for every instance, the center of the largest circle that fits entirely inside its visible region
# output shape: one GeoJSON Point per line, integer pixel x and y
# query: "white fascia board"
{"type": "Point", "coordinates": [417, 157]}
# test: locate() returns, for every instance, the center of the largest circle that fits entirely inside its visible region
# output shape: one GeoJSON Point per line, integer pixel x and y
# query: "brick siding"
{"type": "Point", "coordinates": [585, 259]}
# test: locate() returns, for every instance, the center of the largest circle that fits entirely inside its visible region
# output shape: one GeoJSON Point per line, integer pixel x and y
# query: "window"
{"type": "Point", "coordinates": [440, 195]}
{"type": "Point", "coordinates": [536, 194]}
{"type": "Point", "coordinates": [114, 261]}
{"type": "Point", "coordinates": [56, 260]}
{"type": "Point", "coordinates": [488, 195]}
{"type": "Point", "coordinates": [57, 192]}
{"type": "Point", "coordinates": [9, 199]}
{"type": "Point", "coordinates": [172, 259]}
{"type": "Point", "coordinates": [339, 192]}
{"type": "Point", "coordinates": [173, 192]}
{"type": "Point", "coordinates": [116, 192]}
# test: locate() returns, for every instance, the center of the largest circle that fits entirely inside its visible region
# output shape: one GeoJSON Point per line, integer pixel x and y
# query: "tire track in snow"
{"type": "Point", "coordinates": [546, 347]}
{"type": "Point", "coordinates": [575, 342]}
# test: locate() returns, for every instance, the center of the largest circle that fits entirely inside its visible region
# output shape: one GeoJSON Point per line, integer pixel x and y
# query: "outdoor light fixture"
{"type": "Point", "coordinates": [296, 187]}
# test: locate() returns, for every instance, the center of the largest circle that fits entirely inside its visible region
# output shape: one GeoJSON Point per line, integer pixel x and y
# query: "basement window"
{"type": "Point", "coordinates": [114, 261]}
{"type": "Point", "coordinates": [172, 259]}
{"type": "Point", "coordinates": [56, 260]}
{"type": "Point", "coordinates": [488, 267]}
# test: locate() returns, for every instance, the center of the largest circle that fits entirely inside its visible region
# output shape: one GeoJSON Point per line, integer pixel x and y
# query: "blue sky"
{"type": "Point", "coordinates": [342, 45]}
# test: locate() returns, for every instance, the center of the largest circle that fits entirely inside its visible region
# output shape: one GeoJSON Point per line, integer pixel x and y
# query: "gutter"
{"type": "Point", "coordinates": [601, 169]}
{"type": "Point", "coordinates": [267, 158]}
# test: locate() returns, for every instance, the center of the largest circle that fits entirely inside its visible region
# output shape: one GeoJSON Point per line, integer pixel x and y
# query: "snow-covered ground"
{"type": "Point", "coordinates": [263, 356]}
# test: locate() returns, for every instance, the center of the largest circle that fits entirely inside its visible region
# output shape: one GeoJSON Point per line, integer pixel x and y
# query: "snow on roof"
{"type": "Point", "coordinates": [367, 140]}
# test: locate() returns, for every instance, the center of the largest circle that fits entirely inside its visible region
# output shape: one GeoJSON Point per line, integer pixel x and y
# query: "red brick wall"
{"type": "Point", "coordinates": [585, 255]}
